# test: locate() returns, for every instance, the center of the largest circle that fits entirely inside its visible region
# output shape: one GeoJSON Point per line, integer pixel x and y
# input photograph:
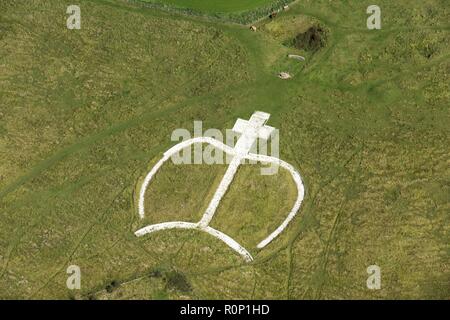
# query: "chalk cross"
{"type": "Point", "coordinates": [250, 131]}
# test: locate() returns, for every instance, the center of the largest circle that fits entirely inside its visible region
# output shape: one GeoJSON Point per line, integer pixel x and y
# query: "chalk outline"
{"type": "Point", "coordinates": [198, 226]}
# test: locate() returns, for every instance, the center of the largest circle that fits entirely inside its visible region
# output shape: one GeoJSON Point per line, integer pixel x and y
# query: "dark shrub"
{"type": "Point", "coordinates": [110, 287]}
{"type": "Point", "coordinates": [177, 281]}
{"type": "Point", "coordinates": [311, 40]}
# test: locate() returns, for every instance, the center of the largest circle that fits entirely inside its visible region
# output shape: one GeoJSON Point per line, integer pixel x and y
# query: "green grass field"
{"type": "Point", "coordinates": [84, 114]}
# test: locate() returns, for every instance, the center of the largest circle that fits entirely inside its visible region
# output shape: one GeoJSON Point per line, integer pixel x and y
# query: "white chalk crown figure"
{"type": "Point", "coordinates": [250, 131]}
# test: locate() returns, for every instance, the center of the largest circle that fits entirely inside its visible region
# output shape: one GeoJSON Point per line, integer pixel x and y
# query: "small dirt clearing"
{"type": "Point", "coordinates": [296, 57]}
{"type": "Point", "coordinates": [284, 76]}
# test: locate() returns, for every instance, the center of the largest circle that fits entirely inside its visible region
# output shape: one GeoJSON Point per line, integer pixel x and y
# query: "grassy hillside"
{"type": "Point", "coordinates": [84, 114]}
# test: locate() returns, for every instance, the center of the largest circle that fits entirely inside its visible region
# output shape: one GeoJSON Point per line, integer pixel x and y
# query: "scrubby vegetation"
{"type": "Point", "coordinates": [312, 40]}
{"type": "Point", "coordinates": [177, 281]}
{"type": "Point", "coordinates": [239, 11]}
